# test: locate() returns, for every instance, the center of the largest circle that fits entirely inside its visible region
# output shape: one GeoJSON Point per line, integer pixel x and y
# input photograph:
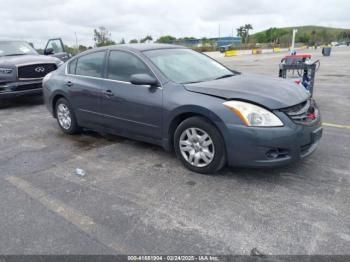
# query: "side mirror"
{"type": "Point", "coordinates": [48, 51]}
{"type": "Point", "coordinates": [143, 79]}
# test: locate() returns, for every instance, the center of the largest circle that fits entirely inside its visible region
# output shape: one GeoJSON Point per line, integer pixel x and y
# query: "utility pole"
{"type": "Point", "coordinates": [219, 31]}
{"type": "Point", "coordinates": [293, 40]}
{"type": "Point", "coordinates": [76, 42]}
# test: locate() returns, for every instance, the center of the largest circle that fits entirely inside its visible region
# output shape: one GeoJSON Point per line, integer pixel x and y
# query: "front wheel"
{"type": "Point", "coordinates": [199, 145]}
{"type": "Point", "coordinates": [65, 117]}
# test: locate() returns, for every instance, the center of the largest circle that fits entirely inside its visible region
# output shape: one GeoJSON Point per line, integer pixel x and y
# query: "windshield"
{"type": "Point", "coordinates": [187, 66]}
{"type": "Point", "coordinates": [9, 48]}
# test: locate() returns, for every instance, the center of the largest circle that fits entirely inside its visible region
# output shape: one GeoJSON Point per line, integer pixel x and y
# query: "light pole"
{"type": "Point", "coordinates": [293, 40]}
{"type": "Point", "coordinates": [76, 42]}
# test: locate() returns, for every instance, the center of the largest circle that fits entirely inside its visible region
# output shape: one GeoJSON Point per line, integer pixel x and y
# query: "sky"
{"type": "Point", "coordinates": [38, 20]}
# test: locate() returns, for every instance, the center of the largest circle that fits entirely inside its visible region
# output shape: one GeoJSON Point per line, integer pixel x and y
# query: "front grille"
{"type": "Point", "coordinates": [303, 113]}
{"type": "Point", "coordinates": [27, 87]}
{"type": "Point", "coordinates": [35, 71]}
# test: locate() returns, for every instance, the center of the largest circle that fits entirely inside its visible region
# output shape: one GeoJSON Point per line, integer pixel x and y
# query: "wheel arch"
{"type": "Point", "coordinates": [186, 112]}
{"type": "Point", "coordinates": [54, 100]}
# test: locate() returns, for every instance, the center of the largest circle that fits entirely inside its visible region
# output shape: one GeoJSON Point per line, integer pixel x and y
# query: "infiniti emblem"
{"type": "Point", "coordinates": [39, 69]}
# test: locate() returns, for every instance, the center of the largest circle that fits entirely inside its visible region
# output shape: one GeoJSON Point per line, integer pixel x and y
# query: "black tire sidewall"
{"type": "Point", "coordinates": [220, 152]}
{"type": "Point", "coordinates": [73, 129]}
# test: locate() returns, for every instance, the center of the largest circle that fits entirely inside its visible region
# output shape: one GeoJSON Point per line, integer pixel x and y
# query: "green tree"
{"type": "Point", "coordinates": [122, 42]}
{"type": "Point", "coordinates": [102, 37]}
{"type": "Point", "coordinates": [148, 38]}
{"type": "Point", "coordinates": [133, 41]}
{"type": "Point", "coordinates": [166, 39]}
{"type": "Point", "coordinates": [243, 32]}
{"type": "Point", "coordinates": [82, 48]}
{"type": "Point", "coordinates": [313, 37]}
{"type": "Point", "coordinates": [70, 50]}
{"type": "Point", "coordinates": [247, 27]}
{"type": "Point", "coordinates": [305, 38]}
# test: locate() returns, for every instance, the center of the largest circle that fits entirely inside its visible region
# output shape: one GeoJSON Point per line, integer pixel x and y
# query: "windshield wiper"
{"type": "Point", "coordinates": [224, 76]}
{"type": "Point", "coordinates": [14, 54]}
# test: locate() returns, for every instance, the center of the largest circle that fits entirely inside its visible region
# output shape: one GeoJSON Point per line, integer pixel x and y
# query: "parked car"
{"type": "Point", "coordinates": [183, 100]}
{"type": "Point", "coordinates": [55, 48]}
{"type": "Point", "coordinates": [22, 69]}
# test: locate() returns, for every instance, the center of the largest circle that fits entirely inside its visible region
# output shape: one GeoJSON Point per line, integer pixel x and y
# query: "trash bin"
{"type": "Point", "coordinates": [326, 51]}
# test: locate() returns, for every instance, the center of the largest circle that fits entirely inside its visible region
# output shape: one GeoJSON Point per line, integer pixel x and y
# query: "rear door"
{"type": "Point", "coordinates": [134, 109]}
{"type": "Point", "coordinates": [86, 86]}
{"type": "Point", "coordinates": [55, 48]}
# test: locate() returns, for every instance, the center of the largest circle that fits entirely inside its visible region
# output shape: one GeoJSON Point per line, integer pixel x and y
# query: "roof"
{"type": "Point", "coordinates": [143, 47]}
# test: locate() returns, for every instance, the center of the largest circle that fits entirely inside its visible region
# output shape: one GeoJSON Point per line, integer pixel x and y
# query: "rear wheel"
{"type": "Point", "coordinates": [65, 117]}
{"type": "Point", "coordinates": [199, 145]}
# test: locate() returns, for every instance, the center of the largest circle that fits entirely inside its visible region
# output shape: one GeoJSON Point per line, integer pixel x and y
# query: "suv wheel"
{"type": "Point", "coordinates": [199, 145]}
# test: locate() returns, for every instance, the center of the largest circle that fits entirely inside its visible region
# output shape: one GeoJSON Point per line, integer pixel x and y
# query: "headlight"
{"type": "Point", "coordinates": [253, 115]}
{"type": "Point", "coordinates": [60, 63]}
{"type": "Point", "coordinates": [4, 70]}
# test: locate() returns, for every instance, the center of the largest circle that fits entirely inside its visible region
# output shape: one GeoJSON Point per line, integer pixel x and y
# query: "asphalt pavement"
{"type": "Point", "coordinates": [138, 199]}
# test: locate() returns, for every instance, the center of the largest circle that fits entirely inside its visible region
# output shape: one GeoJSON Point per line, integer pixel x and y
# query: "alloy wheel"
{"type": "Point", "coordinates": [64, 116]}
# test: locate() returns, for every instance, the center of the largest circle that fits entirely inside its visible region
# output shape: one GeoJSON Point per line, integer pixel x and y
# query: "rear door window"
{"type": "Point", "coordinates": [91, 64]}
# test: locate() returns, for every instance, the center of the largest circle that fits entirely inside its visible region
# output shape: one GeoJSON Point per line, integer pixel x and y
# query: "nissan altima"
{"type": "Point", "coordinates": [183, 100]}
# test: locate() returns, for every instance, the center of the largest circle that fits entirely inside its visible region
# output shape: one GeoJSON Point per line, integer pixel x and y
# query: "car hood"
{"type": "Point", "coordinates": [273, 93]}
{"type": "Point", "coordinates": [27, 59]}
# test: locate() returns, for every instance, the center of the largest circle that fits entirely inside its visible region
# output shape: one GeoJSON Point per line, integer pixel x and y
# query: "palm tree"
{"type": "Point", "coordinates": [247, 28]}
{"type": "Point", "coordinates": [241, 32]}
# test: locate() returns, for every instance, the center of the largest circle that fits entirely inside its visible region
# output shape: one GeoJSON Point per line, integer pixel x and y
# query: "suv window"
{"type": "Point", "coordinates": [91, 64]}
{"type": "Point", "coordinates": [122, 65]}
{"type": "Point", "coordinates": [56, 45]}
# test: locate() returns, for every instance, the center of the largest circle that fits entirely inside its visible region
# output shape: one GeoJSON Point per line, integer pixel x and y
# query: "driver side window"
{"type": "Point", "coordinates": [122, 65]}
{"type": "Point", "coordinates": [56, 46]}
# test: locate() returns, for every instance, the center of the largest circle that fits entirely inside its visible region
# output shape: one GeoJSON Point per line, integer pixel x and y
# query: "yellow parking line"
{"type": "Point", "coordinates": [336, 125]}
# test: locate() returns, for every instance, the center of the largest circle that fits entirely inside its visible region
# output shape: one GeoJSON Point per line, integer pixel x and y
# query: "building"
{"type": "Point", "coordinates": [216, 41]}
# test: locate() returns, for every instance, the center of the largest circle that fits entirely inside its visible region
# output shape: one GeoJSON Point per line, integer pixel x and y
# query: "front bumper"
{"type": "Point", "coordinates": [20, 88]}
{"type": "Point", "coordinates": [270, 147]}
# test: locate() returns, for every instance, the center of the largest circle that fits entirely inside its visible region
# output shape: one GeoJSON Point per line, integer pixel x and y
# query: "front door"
{"type": "Point", "coordinates": [132, 109]}
{"type": "Point", "coordinates": [55, 48]}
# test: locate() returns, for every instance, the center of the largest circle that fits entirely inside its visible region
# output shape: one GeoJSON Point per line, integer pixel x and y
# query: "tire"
{"type": "Point", "coordinates": [200, 140]}
{"type": "Point", "coordinates": [69, 127]}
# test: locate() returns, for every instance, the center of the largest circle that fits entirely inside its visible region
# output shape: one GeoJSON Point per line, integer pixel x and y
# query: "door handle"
{"type": "Point", "coordinates": [69, 83]}
{"type": "Point", "coordinates": [108, 93]}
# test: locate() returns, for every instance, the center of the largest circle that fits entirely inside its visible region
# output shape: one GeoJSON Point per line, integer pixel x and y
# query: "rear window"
{"type": "Point", "coordinates": [91, 64]}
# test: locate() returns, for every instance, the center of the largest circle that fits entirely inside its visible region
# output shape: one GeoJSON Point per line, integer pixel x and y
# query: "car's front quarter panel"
{"type": "Point", "coordinates": [245, 146]}
{"type": "Point", "coordinates": [178, 101]}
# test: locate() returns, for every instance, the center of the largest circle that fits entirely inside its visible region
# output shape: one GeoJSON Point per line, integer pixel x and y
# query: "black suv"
{"type": "Point", "coordinates": [22, 68]}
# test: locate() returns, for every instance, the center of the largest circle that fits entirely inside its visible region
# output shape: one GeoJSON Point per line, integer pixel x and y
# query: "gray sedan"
{"type": "Point", "coordinates": [187, 102]}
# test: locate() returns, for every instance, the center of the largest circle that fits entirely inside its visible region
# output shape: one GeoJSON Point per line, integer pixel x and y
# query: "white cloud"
{"type": "Point", "coordinates": [38, 20]}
